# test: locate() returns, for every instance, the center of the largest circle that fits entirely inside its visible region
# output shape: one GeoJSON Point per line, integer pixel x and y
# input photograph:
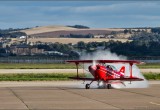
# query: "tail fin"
{"type": "Point", "coordinates": [122, 70]}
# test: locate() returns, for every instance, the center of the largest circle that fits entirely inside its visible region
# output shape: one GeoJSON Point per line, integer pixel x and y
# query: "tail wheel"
{"type": "Point", "coordinates": [109, 86]}
{"type": "Point", "coordinates": [87, 86]}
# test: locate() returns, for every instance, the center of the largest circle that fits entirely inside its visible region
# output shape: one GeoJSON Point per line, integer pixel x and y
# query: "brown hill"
{"type": "Point", "coordinates": [78, 32]}
{"type": "Point", "coordinates": [44, 29]}
{"type": "Point", "coordinates": [56, 31]}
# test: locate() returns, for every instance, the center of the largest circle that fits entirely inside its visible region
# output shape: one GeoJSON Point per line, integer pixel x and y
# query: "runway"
{"type": "Point", "coordinates": [15, 71]}
{"type": "Point", "coordinates": [64, 95]}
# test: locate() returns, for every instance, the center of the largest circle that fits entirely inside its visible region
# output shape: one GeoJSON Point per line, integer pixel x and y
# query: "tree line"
{"type": "Point", "coordinates": [11, 33]}
{"type": "Point", "coordinates": [77, 36]}
{"type": "Point", "coordinates": [142, 44]}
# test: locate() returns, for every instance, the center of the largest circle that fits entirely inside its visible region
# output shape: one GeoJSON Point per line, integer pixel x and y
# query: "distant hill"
{"type": "Point", "coordinates": [57, 31]}
{"type": "Point", "coordinates": [45, 29]}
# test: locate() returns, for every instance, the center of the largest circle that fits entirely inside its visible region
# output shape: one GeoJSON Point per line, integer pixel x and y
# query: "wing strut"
{"type": "Point", "coordinates": [77, 68]}
{"type": "Point", "coordinates": [130, 69]}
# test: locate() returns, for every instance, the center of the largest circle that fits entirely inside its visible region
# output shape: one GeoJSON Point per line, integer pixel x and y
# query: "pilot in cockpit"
{"type": "Point", "coordinates": [109, 67]}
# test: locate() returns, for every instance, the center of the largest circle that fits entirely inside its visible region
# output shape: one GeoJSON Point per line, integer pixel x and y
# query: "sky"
{"type": "Point", "coordinates": [95, 14]}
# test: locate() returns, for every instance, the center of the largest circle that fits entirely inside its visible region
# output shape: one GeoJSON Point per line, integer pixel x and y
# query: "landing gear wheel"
{"type": "Point", "coordinates": [87, 86]}
{"type": "Point", "coordinates": [109, 86]}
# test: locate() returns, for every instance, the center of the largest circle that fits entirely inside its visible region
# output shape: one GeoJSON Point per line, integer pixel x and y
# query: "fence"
{"type": "Point", "coordinates": [62, 60]}
{"type": "Point", "coordinates": [34, 60]}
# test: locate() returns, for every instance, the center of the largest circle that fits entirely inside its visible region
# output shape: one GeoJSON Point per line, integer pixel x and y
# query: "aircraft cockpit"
{"type": "Point", "coordinates": [111, 67]}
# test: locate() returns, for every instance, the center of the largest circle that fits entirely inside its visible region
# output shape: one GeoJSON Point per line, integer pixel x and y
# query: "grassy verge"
{"type": "Point", "coordinates": [36, 66]}
{"type": "Point", "coordinates": [55, 77]}
{"type": "Point", "coordinates": [150, 65]}
{"type": "Point", "coordinates": [36, 77]}
{"type": "Point", "coordinates": [152, 76]}
{"type": "Point", "coordinates": [59, 66]}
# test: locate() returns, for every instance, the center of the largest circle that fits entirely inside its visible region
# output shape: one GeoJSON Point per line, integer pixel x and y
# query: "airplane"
{"type": "Point", "coordinates": [107, 74]}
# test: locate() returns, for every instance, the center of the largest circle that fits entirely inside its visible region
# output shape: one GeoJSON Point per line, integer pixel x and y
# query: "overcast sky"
{"type": "Point", "coordinates": [102, 14]}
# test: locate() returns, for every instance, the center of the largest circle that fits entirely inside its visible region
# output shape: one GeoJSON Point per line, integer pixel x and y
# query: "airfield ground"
{"type": "Point", "coordinates": [69, 95]}
{"type": "Point", "coordinates": [12, 71]}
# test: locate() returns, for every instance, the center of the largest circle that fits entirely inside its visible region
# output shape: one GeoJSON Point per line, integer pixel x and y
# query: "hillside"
{"type": "Point", "coordinates": [45, 29]}
{"type": "Point", "coordinates": [56, 31]}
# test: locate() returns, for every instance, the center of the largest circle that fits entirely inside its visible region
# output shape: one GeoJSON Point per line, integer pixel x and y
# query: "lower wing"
{"type": "Point", "coordinates": [126, 79]}
{"type": "Point", "coordinates": [115, 79]}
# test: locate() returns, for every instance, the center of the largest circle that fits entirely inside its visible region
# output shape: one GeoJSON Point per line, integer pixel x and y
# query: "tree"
{"type": "Point", "coordinates": [113, 32]}
{"type": "Point", "coordinates": [81, 45]}
{"type": "Point", "coordinates": [126, 31]}
{"type": "Point", "coordinates": [155, 30]}
{"type": "Point", "coordinates": [80, 27]}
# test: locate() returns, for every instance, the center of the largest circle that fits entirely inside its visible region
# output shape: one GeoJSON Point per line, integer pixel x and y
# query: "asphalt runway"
{"type": "Point", "coordinates": [64, 95]}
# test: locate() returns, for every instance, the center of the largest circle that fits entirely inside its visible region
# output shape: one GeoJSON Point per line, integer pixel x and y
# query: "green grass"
{"type": "Point", "coordinates": [60, 66]}
{"type": "Point", "coordinates": [152, 76]}
{"type": "Point", "coordinates": [55, 77]}
{"type": "Point", "coordinates": [36, 77]}
{"type": "Point", "coordinates": [149, 65]}
{"type": "Point", "coordinates": [36, 66]}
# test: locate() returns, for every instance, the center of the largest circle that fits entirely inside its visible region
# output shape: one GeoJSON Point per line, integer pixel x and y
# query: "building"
{"type": "Point", "coordinates": [26, 50]}
{"type": "Point", "coordinates": [99, 36]}
{"type": "Point", "coordinates": [4, 52]}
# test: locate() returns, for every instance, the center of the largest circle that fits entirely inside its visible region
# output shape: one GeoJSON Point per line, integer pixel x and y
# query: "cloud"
{"type": "Point", "coordinates": [96, 14]}
{"type": "Point", "coordinates": [123, 8]}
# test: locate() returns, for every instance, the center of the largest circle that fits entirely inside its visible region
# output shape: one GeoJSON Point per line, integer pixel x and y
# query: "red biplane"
{"type": "Point", "coordinates": [106, 73]}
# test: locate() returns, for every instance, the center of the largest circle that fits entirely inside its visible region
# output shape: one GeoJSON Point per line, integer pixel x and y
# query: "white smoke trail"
{"type": "Point", "coordinates": [107, 55]}
{"type": "Point", "coordinates": [102, 55]}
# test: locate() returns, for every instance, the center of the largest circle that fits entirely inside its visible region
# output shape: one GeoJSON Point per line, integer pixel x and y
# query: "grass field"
{"type": "Point", "coordinates": [36, 66]}
{"type": "Point", "coordinates": [44, 29]}
{"type": "Point", "coordinates": [152, 76]}
{"type": "Point", "coordinates": [36, 77]}
{"type": "Point", "coordinates": [56, 28]}
{"type": "Point", "coordinates": [150, 65]}
{"type": "Point", "coordinates": [74, 40]}
{"type": "Point", "coordinates": [55, 77]}
{"type": "Point", "coordinates": [60, 66]}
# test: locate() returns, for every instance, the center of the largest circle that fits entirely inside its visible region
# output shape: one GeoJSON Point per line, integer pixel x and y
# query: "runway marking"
{"type": "Point", "coordinates": [19, 98]}
{"type": "Point", "coordinates": [155, 103]}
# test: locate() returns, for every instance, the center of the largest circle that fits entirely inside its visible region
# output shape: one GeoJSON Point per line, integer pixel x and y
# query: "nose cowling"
{"type": "Point", "coordinates": [98, 67]}
{"type": "Point", "coordinates": [101, 72]}
{"type": "Point", "coordinates": [92, 69]}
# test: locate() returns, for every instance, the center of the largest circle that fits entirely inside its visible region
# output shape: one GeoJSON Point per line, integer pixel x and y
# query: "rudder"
{"type": "Point", "coordinates": [122, 70]}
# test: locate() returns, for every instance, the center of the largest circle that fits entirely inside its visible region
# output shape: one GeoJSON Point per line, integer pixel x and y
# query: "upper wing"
{"type": "Point", "coordinates": [105, 61]}
{"type": "Point", "coordinates": [79, 61]}
{"type": "Point", "coordinates": [120, 61]}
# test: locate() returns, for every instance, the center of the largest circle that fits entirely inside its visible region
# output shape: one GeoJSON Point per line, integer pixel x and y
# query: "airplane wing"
{"type": "Point", "coordinates": [120, 61]}
{"type": "Point", "coordinates": [87, 79]}
{"type": "Point", "coordinates": [80, 61]}
{"type": "Point", "coordinates": [127, 79]}
{"type": "Point", "coordinates": [105, 61]}
{"type": "Point", "coordinates": [115, 79]}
